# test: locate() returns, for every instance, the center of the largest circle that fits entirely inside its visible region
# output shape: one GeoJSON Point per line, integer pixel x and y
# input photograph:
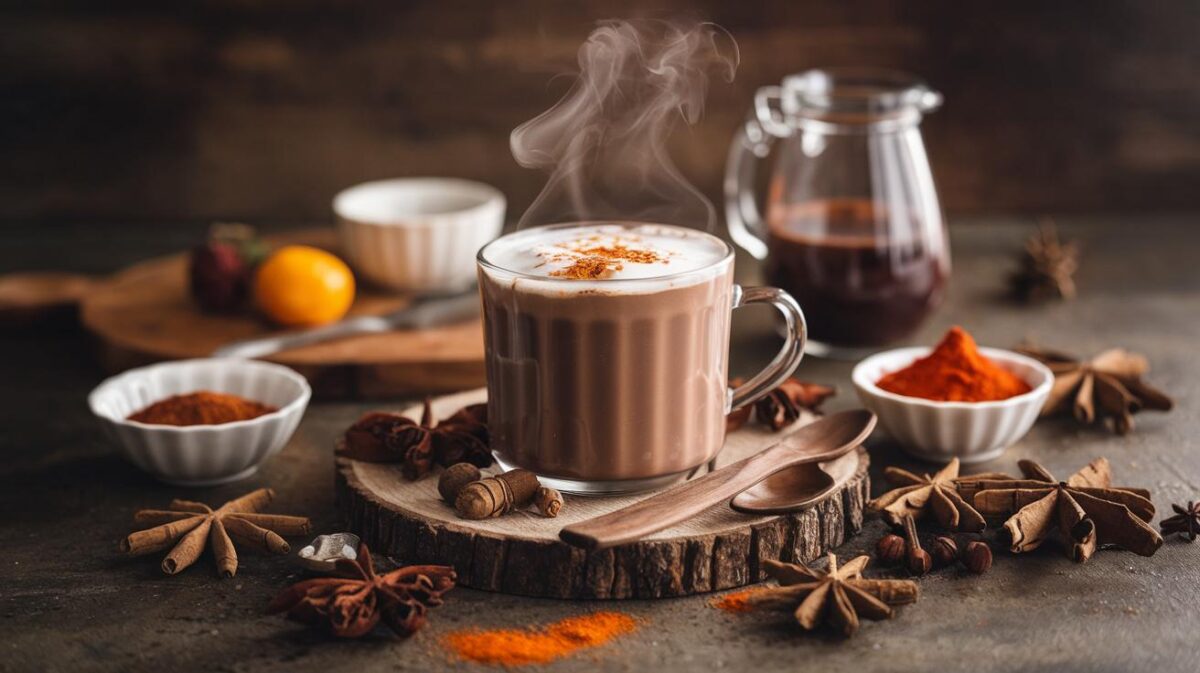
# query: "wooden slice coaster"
{"type": "Point", "coordinates": [520, 553]}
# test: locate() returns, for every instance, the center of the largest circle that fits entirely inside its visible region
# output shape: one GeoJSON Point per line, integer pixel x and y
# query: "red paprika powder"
{"type": "Point", "coordinates": [955, 372]}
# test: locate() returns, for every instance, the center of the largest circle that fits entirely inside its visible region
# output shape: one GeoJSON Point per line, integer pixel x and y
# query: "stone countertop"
{"type": "Point", "coordinates": [69, 601]}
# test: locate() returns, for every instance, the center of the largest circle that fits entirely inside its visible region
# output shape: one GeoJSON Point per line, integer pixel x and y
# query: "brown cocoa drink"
{"type": "Point", "coordinates": [606, 351]}
{"type": "Point", "coordinates": [857, 287]}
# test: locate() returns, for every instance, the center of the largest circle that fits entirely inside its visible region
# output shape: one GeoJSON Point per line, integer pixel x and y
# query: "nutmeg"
{"type": "Point", "coordinates": [454, 478]}
{"type": "Point", "coordinates": [944, 551]}
{"type": "Point", "coordinates": [977, 557]}
{"type": "Point", "coordinates": [890, 548]}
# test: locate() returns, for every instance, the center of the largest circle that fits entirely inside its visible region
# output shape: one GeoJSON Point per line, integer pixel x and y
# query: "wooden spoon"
{"type": "Point", "coordinates": [796, 488]}
{"type": "Point", "coordinates": [821, 440]}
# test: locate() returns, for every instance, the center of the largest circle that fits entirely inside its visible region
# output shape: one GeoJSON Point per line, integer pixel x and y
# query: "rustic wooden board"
{"type": "Point", "coordinates": [521, 554]}
{"type": "Point", "coordinates": [144, 314]}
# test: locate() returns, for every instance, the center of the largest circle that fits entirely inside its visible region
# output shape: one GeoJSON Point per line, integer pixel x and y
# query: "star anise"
{"type": "Point", "coordinates": [936, 495]}
{"type": "Point", "coordinates": [386, 437]}
{"type": "Point", "coordinates": [352, 606]}
{"type": "Point", "coordinates": [1047, 266]}
{"type": "Point", "coordinates": [782, 406]}
{"type": "Point", "coordinates": [1111, 381]}
{"type": "Point", "coordinates": [187, 525]}
{"type": "Point", "coordinates": [839, 596]}
{"type": "Point", "coordinates": [1186, 521]}
{"type": "Point", "coordinates": [1086, 509]}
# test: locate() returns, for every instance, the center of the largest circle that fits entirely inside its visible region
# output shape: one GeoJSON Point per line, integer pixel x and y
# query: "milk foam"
{"type": "Point", "coordinates": [550, 253]}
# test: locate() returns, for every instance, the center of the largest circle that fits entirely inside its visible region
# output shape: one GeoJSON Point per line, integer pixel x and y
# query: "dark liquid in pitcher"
{"type": "Point", "coordinates": [857, 288]}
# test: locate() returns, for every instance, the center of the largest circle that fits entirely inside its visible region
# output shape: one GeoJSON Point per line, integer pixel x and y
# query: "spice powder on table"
{"type": "Point", "coordinates": [515, 647]}
{"type": "Point", "coordinates": [201, 408]}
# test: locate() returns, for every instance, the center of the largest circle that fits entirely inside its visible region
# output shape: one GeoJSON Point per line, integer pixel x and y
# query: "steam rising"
{"type": "Point", "coordinates": [604, 143]}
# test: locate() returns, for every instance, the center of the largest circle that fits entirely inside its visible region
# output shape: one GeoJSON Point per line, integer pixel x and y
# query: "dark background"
{"type": "Point", "coordinates": [261, 110]}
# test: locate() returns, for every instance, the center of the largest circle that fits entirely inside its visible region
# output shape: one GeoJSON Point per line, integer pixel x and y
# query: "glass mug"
{"type": "Point", "coordinates": [853, 228]}
{"type": "Point", "coordinates": [617, 385]}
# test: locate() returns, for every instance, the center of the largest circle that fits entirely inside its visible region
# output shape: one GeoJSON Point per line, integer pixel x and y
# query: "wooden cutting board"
{"type": "Point", "coordinates": [145, 314]}
{"type": "Point", "coordinates": [520, 553]}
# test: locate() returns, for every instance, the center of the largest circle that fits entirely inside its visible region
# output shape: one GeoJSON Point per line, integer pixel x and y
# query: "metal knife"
{"type": "Point", "coordinates": [424, 312]}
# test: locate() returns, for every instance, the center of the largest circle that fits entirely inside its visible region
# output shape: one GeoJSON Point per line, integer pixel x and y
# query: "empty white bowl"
{"type": "Point", "coordinates": [940, 431]}
{"type": "Point", "coordinates": [418, 234]}
{"type": "Point", "coordinates": [202, 455]}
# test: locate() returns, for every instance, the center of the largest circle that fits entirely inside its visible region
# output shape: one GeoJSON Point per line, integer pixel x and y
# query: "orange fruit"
{"type": "Point", "coordinates": [300, 286]}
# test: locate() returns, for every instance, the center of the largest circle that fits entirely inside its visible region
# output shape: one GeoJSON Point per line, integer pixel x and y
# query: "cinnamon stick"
{"type": "Point", "coordinates": [251, 502]}
{"type": "Point", "coordinates": [188, 550]}
{"type": "Point", "coordinates": [890, 592]}
{"type": "Point", "coordinates": [255, 536]}
{"type": "Point", "coordinates": [223, 551]}
{"type": "Point", "coordinates": [190, 506]}
{"type": "Point", "coordinates": [154, 517]}
{"type": "Point", "coordinates": [280, 523]}
{"type": "Point", "coordinates": [160, 537]}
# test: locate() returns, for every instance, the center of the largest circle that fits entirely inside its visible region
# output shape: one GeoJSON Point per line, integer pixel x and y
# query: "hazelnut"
{"type": "Point", "coordinates": [454, 478]}
{"type": "Point", "coordinates": [890, 548]}
{"type": "Point", "coordinates": [977, 557]}
{"type": "Point", "coordinates": [944, 551]}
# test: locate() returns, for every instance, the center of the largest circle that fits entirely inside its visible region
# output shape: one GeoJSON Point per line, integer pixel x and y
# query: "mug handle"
{"type": "Point", "coordinates": [753, 141]}
{"type": "Point", "coordinates": [796, 335]}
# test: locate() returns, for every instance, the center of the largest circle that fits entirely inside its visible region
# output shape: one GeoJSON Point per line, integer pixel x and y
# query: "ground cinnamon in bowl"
{"type": "Point", "coordinates": [955, 372]}
{"type": "Point", "coordinates": [201, 408]}
{"type": "Point", "coordinates": [516, 647]}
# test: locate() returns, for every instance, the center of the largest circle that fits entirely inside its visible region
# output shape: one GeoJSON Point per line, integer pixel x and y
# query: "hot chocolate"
{"type": "Point", "coordinates": [606, 351]}
{"type": "Point", "coordinates": [858, 286]}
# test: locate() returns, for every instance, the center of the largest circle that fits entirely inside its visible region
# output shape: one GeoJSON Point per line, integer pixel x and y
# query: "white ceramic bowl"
{"type": "Point", "coordinates": [418, 234]}
{"type": "Point", "coordinates": [940, 431]}
{"type": "Point", "coordinates": [202, 455]}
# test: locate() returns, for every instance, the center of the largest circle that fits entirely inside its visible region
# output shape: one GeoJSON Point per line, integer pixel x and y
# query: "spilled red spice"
{"type": "Point", "coordinates": [201, 408]}
{"type": "Point", "coordinates": [955, 372]}
{"type": "Point", "coordinates": [601, 260]}
{"type": "Point", "coordinates": [737, 602]}
{"type": "Point", "coordinates": [515, 647]}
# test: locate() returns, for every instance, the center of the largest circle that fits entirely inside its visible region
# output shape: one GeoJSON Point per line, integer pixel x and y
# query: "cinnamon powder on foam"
{"type": "Point", "coordinates": [599, 261]}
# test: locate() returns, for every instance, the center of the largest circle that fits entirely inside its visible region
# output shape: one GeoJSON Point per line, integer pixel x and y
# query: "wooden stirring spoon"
{"type": "Point", "coordinates": [821, 440]}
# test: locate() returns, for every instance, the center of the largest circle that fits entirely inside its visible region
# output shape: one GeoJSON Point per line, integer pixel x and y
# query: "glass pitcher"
{"type": "Point", "coordinates": [853, 228]}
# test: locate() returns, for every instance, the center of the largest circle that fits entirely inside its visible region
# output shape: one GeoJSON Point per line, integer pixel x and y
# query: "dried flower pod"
{"type": "Point", "coordinates": [496, 495]}
{"type": "Point", "coordinates": [919, 561]}
{"type": "Point", "coordinates": [944, 551]}
{"type": "Point", "coordinates": [891, 548]}
{"type": "Point", "coordinates": [548, 501]}
{"type": "Point", "coordinates": [454, 478]}
{"type": "Point", "coordinates": [977, 557]}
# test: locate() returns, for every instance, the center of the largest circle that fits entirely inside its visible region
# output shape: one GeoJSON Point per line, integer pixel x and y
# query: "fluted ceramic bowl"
{"type": "Point", "coordinates": [201, 455]}
{"type": "Point", "coordinates": [418, 234]}
{"type": "Point", "coordinates": [973, 432]}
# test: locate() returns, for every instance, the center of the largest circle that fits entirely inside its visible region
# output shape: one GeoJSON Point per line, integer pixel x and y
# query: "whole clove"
{"type": "Point", "coordinates": [496, 495]}
{"type": "Point", "coordinates": [919, 561]}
